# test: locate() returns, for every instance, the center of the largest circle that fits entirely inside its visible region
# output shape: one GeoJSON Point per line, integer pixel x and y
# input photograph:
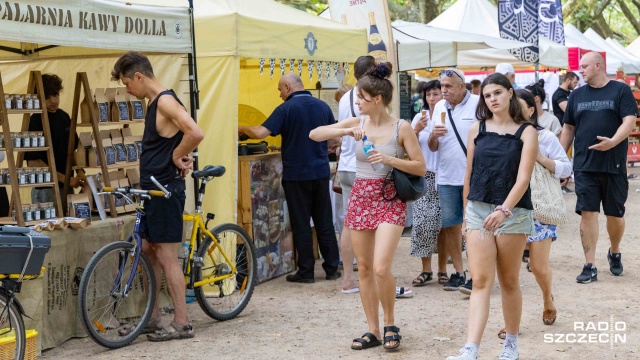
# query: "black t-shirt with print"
{"type": "Point", "coordinates": [599, 112]}
{"type": "Point", "coordinates": [559, 96]}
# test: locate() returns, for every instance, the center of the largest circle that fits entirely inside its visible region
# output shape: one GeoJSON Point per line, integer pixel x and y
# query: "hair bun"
{"type": "Point", "coordinates": [541, 83]}
{"type": "Point", "coordinates": [381, 70]}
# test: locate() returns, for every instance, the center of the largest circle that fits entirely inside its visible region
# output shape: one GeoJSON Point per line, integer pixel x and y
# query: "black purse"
{"type": "Point", "coordinates": [408, 187]}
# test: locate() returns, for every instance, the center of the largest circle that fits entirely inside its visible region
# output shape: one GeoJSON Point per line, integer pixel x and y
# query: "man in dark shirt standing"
{"type": "Point", "coordinates": [60, 126]}
{"type": "Point", "coordinates": [600, 117]}
{"type": "Point", "coordinates": [305, 178]}
{"type": "Point", "coordinates": [170, 135]}
{"type": "Point", "coordinates": [561, 95]}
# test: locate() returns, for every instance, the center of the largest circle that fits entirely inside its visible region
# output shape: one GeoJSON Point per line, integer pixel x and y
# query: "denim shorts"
{"type": "Point", "coordinates": [450, 204]}
{"type": "Point", "coordinates": [520, 223]}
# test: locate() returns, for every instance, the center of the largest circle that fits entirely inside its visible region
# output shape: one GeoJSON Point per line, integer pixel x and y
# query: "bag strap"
{"type": "Point", "coordinates": [453, 125]}
{"type": "Point", "coordinates": [353, 113]}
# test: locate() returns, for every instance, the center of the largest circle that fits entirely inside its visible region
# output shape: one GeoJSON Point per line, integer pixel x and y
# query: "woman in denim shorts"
{"type": "Point", "coordinates": [502, 149]}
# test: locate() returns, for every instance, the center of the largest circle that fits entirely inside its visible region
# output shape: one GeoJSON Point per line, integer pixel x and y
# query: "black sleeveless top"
{"type": "Point", "coordinates": [157, 151]}
{"type": "Point", "coordinates": [496, 160]}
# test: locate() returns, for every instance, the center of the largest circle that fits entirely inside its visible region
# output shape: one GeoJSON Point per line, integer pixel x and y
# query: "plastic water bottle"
{"type": "Point", "coordinates": [368, 146]}
{"type": "Point", "coordinates": [191, 296]}
{"type": "Point", "coordinates": [184, 255]}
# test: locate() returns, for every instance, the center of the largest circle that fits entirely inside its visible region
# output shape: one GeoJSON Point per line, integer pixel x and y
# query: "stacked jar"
{"type": "Point", "coordinates": [22, 101]}
{"type": "Point", "coordinates": [32, 139]}
{"type": "Point", "coordinates": [36, 212]}
{"type": "Point", "coordinates": [27, 176]}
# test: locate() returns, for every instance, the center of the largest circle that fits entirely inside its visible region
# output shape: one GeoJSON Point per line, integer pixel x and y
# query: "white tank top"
{"type": "Point", "coordinates": [363, 166]}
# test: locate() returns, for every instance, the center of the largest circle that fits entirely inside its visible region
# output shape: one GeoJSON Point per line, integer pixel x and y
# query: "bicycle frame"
{"type": "Point", "coordinates": [136, 256]}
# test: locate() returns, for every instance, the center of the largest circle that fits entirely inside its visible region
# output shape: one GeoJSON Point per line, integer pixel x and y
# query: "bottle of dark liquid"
{"type": "Point", "coordinates": [377, 48]}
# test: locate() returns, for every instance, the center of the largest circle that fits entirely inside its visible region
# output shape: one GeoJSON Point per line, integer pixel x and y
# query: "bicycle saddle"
{"type": "Point", "coordinates": [209, 170]}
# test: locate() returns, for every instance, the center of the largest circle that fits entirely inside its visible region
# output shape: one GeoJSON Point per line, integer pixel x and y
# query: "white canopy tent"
{"type": "Point", "coordinates": [628, 65]}
{"type": "Point", "coordinates": [423, 46]}
{"type": "Point", "coordinates": [634, 47]}
{"type": "Point", "coordinates": [481, 17]}
{"type": "Point", "coordinates": [616, 45]}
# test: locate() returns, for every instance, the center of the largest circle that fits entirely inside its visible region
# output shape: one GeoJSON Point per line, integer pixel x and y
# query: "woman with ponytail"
{"type": "Point", "coordinates": [376, 224]}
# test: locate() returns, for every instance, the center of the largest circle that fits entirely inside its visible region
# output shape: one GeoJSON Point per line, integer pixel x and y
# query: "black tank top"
{"type": "Point", "coordinates": [496, 160]}
{"type": "Point", "coordinates": [157, 151]}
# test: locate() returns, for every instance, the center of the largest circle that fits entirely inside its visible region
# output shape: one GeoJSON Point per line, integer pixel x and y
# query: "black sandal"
{"type": "Point", "coordinates": [525, 256]}
{"type": "Point", "coordinates": [395, 337]}
{"type": "Point", "coordinates": [422, 279]}
{"type": "Point", "coordinates": [442, 278]}
{"type": "Point", "coordinates": [372, 342]}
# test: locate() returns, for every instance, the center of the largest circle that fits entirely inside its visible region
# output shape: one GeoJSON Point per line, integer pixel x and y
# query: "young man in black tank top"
{"type": "Point", "coordinates": [170, 135]}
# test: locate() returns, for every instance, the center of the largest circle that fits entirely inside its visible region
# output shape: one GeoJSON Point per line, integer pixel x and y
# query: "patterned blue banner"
{"type": "Point", "coordinates": [518, 20]}
{"type": "Point", "coordinates": [550, 23]}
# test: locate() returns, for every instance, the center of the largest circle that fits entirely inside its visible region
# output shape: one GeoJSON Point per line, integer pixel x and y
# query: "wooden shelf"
{"type": "Point", "coordinates": [49, 184]}
{"type": "Point", "coordinates": [10, 221]}
{"type": "Point", "coordinates": [24, 111]}
{"type": "Point", "coordinates": [112, 123]}
{"type": "Point", "coordinates": [27, 149]}
{"type": "Point", "coordinates": [110, 167]}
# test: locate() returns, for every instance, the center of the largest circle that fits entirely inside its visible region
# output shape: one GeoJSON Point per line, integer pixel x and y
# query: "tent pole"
{"type": "Point", "coordinates": [194, 93]}
{"type": "Point", "coordinates": [537, 72]}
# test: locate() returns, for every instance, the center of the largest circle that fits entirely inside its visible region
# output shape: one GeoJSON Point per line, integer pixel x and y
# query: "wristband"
{"type": "Point", "coordinates": [506, 211]}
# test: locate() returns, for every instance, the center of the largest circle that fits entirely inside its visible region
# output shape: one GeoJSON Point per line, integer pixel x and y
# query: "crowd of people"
{"type": "Point", "coordinates": [477, 146]}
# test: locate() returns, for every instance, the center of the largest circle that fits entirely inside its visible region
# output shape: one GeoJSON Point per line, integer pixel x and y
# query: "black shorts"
{"type": "Point", "coordinates": [162, 222]}
{"type": "Point", "coordinates": [593, 188]}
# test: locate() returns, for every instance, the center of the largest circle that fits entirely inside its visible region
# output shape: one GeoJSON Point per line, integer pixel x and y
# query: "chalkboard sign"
{"type": "Point", "coordinates": [132, 153]}
{"type": "Point", "coordinates": [123, 108]}
{"type": "Point", "coordinates": [103, 109]}
{"type": "Point", "coordinates": [139, 145]}
{"type": "Point", "coordinates": [138, 111]}
{"type": "Point", "coordinates": [111, 155]}
{"type": "Point", "coordinates": [121, 154]}
{"type": "Point", "coordinates": [404, 89]}
{"type": "Point", "coordinates": [82, 210]}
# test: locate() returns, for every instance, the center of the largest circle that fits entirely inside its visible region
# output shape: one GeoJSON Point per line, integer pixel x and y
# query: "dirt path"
{"type": "Point", "coordinates": [292, 321]}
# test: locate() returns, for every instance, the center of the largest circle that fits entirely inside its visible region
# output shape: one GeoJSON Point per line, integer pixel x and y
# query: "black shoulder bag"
{"type": "Point", "coordinates": [453, 125]}
{"type": "Point", "coordinates": [408, 187]}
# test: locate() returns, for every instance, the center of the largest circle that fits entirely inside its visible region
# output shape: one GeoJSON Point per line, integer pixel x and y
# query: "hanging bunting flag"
{"type": "Point", "coordinates": [282, 66]}
{"type": "Point", "coordinates": [328, 69]}
{"type": "Point", "coordinates": [346, 69]}
{"type": "Point", "coordinates": [336, 65]}
{"type": "Point", "coordinates": [319, 69]}
{"type": "Point", "coordinates": [272, 66]}
{"type": "Point", "coordinates": [261, 65]}
{"type": "Point", "coordinates": [550, 23]}
{"type": "Point", "coordinates": [518, 20]}
{"type": "Point", "coordinates": [291, 64]}
{"type": "Point", "coordinates": [299, 67]}
{"type": "Point", "coordinates": [310, 68]}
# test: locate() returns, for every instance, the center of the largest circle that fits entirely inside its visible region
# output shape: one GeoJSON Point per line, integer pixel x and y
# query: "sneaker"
{"type": "Point", "coordinates": [509, 351]}
{"type": "Point", "coordinates": [589, 274]}
{"type": "Point", "coordinates": [455, 281]}
{"type": "Point", "coordinates": [615, 263]}
{"type": "Point", "coordinates": [566, 190]}
{"type": "Point", "coordinates": [402, 292]}
{"type": "Point", "coordinates": [466, 353]}
{"type": "Point", "coordinates": [466, 288]}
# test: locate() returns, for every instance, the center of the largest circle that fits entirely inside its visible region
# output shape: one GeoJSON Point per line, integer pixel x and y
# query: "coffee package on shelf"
{"type": "Point", "coordinates": [121, 106]}
{"type": "Point", "coordinates": [134, 178]}
{"type": "Point", "coordinates": [110, 94]}
{"type": "Point", "coordinates": [130, 146]}
{"type": "Point", "coordinates": [138, 108]}
{"type": "Point", "coordinates": [77, 222]}
{"type": "Point", "coordinates": [84, 151]}
{"type": "Point", "coordinates": [102, 104]}
{"type": "Point", "coordinates": [79, 206]}
{"type": "Point", "coordinates": [109, 149]}
{"type": "Point", "coordinates": [118, 144]}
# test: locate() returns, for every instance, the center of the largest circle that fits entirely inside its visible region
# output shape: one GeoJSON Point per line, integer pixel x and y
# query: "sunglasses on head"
{"type": "Point", "coordinates": [450, 73]}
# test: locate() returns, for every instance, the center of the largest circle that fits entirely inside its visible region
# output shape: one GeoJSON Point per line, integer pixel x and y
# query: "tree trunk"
{"type": "Point", "coordinates": [428, 10]}
{"type": "Point", "coordinates": [629, 15]}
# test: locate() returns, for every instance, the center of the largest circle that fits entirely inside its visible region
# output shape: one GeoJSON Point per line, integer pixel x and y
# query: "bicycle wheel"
{"type": "Point", "coordinates": [225, 299]}
{"type": "Point", "coordinates": [12, 330]}
{"type": "Point", "coordinates": [111, 317]}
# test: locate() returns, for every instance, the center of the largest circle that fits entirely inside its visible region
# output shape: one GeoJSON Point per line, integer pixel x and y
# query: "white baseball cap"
{"type": "Point", "coordinates": [505, 68]}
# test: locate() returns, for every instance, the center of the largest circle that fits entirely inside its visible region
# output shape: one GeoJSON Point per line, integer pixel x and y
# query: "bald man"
{"type": "Point", "coordinates": [599, 116]}
{"type": "Point", "coordinates": [305, 177]}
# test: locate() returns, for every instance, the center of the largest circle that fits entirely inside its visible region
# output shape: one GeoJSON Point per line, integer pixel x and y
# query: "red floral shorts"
{"type": "Point", "coordinates": [367, 208]}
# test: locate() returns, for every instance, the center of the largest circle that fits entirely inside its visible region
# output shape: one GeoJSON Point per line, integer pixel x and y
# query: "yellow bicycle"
{"type": "Point", "coordinates": [117, 288]}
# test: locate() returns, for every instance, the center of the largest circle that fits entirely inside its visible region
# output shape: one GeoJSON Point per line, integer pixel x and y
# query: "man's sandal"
{"type": "Point", "coordinates": [152, 326]}
{"type": "Point", "coordinates": [366, 341]}
{"type": "Point", "coordinates": [422, 279]}
{"type": "Point", "coordinates": [443, 277]}
{"type": "Point", "coordinates": [172, 332]}
{"type": "Point", "coordinates": [388, 339]}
